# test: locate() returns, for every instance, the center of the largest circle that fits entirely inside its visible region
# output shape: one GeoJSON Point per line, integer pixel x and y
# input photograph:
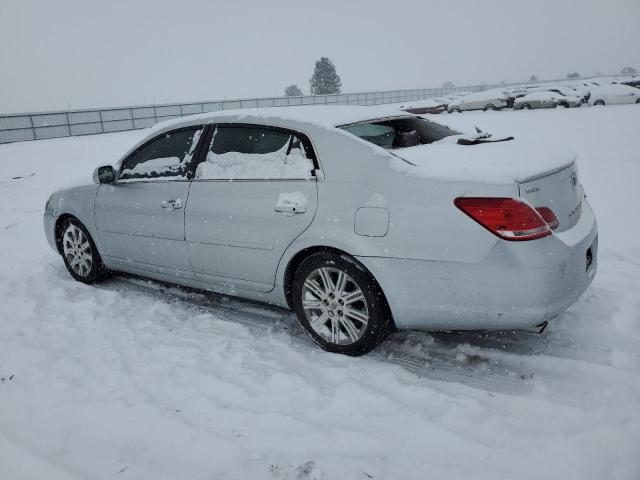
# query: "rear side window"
{"type": "Point", "coordinates": [381, 135]}
{"type": "Point", "coordinates": [247, 152]}
{"type": "Point", "coordinates": [399, 132]}
{"type": "Point", "coordinates": [166, 157]}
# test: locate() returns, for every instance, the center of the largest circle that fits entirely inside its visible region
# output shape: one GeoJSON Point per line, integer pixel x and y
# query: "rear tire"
{"type": "Point", "coordinates": [599, 103]}
{"type": "Point", "coordinates": [339, 304]}
{"type": "Point", "coordinates": [526, 106]}
{"type": "Point", "coordinates": [455, 110]}
{"type": "Point", "coordinates": [491, 106]}
{"type": "Point", "coordinates": [79, 253]}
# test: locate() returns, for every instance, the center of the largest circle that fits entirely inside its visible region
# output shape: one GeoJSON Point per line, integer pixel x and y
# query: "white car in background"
{"type": "Point", "coordinates": [359, 221]}
{"type": "Point", "coordinates": [486, 100]}
{"type": "Point", "coordinates": [429, 105]}
{"type": "Point", "coordinates": [614, 94]}
{"type": "Point", "coordinates": [581, 94]}
{"type": "Point", "coordinates": [545, 99]}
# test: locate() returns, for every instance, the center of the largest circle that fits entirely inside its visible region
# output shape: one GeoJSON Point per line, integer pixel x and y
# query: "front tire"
{"type": "Point", "coordinates": [339, 304]}
{"type": "Point", "coordinates": [599, 103]}
{"type": "Point", "coordinates": [79, 253]}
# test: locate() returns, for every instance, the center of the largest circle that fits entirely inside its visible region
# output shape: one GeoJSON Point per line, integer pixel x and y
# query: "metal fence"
{"type": "Point", "coordinates": [40, 125]}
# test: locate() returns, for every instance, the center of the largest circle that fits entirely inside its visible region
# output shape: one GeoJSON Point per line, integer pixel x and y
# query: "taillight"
{"type": "Point", "coordinates": [508, 218]}
{"type": "Point", "coordinates": [549, 217]}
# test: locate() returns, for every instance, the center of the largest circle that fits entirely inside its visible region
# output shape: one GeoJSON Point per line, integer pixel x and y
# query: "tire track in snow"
{"type": "Point", "coordinates": [441, 361]}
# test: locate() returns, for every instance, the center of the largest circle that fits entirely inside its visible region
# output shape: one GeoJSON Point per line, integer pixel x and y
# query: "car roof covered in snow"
{"type": "Point", "coordinates": [325, 116]}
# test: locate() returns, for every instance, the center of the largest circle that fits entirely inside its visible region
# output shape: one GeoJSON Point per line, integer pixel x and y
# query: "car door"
{"type": "Point", "coordinates": [253, 193]}
{"type": "Point", "coordinates": [140, 217]}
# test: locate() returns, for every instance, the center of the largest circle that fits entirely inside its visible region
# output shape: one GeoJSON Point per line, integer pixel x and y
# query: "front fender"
{"type": "Point", "coordinates": [77, 202]}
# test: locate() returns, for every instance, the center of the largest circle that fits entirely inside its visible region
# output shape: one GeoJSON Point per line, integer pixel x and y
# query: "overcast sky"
{"type": "Point", "coordinates": [84, 53]}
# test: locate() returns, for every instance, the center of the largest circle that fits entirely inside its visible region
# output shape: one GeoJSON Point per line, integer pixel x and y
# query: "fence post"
{"type": "Point", "coordinates": [68, 123]}
{"type": "Point", "coordinates": [33, 127]}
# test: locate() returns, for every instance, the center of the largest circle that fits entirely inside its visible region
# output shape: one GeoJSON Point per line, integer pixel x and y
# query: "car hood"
{"type": "Point", "coordinates": [496, 163]}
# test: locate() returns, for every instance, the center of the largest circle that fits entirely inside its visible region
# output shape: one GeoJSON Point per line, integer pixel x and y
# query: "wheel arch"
{"type": "Point", "coordinates": [57, 229]}
{"type": "Point", "coordinates": [306, 252]}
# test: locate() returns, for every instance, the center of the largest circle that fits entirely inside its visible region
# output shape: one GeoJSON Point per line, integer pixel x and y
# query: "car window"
{"type": "Point", "coordinates": [246, 152]}
{"type": "Point", "coordinates": [167, 157]}
{"type": "Point", "coordinates": [380, 135]}
{"type": "Point", "coordinates": [399, 132]}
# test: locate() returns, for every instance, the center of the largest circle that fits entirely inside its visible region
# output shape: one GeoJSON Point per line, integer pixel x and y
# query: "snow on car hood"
{"type": "Point", "coordinates": [499, 163]}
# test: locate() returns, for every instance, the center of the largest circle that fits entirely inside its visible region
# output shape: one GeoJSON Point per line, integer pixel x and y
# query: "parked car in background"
{"type": "Point", "coordinates": [631, 81]}
{"type": "Point", "coordinates": [536, 100]}
{"type": "Point", "coordinates": [545, 99]}
{"type": "Point", "coordinates": [359, 221]}
{"type": "Point", "coordinates": [614, 95]}
{"type": "Point", "coordinates": [429, 105]}
{"type": "Point", "coordinates": [450, 97]}
{"type": "Point", "coordinates": [581, 94]}
{"type": "Point", "coordinates": [486, 100]}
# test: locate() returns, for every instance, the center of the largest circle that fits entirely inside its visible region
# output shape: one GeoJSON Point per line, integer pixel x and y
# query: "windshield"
{"type": "Point", "coordinates": [399, 132]}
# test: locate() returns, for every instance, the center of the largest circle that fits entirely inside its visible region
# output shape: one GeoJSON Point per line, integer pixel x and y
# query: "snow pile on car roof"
{"type": "Point", "coordinates": [327, 116]}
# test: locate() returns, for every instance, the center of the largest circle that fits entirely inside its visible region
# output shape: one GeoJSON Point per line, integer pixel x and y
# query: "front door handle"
{"type": "Point", "coordinates": [172, 204]}
{"type": "Point", "coordinates": [291, 209]}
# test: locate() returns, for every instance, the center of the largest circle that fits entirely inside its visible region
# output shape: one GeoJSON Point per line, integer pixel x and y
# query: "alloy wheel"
{"type": "Point", "coordinates": [335, 306]}
{"type": "Point", "coordinates": [77, 250]}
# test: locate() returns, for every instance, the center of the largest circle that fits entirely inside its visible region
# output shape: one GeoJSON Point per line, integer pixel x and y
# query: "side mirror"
{"type": "Point", "coordinates": [104, 174]}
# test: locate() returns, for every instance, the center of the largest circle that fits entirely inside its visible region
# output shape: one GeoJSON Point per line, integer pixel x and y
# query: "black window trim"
{"type": "Point", "coordinates": [194, 160]}
{"type": "Point", "coordinates": [205, 140]}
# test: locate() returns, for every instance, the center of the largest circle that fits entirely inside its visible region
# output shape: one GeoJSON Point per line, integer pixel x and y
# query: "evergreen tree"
{"type": "Point", "coordinates": [292, 91]}
{"type": "Point", "coordinates": [629, 71]}
{"type": "Point", "coordinates": [448, 85]}
{"type": "Point", "coordinates": [573, 75]}
{"type": "Point", "coordinates": [325, 80]}
{"type": "Point", "coordinates": [533, 78]}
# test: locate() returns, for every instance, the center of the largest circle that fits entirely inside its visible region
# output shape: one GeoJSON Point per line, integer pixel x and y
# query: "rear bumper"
{"type": "Point", "coordinates": [518, 285]}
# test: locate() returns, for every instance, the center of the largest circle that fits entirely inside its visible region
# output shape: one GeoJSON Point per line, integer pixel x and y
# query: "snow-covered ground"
{"type": "Point", "coordinates": [133, 380]}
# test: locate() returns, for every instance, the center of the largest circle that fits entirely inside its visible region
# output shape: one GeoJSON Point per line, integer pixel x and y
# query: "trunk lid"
{"type": "Point", "coordinates": [545, 177]}
{"type": "Point", "coordinates": [497, 163]}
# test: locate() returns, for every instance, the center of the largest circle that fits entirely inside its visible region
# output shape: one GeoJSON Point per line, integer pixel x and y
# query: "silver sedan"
{"type": "Point", "coordinates": [359, 221]}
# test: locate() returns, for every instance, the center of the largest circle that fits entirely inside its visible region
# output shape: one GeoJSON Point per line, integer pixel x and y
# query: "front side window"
{"type": "Point", "coordinates": [247, 152]}
{"type": "Point", "coordinates": [166, 157]}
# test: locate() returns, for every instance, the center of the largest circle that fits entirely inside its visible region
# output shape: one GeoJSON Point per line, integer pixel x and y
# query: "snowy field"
{"type": "Point", "coordinates": [132, 380]}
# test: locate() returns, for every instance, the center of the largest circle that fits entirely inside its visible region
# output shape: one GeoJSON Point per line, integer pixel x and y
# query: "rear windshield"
{"type": "Point", "coordinates": [399, 132]}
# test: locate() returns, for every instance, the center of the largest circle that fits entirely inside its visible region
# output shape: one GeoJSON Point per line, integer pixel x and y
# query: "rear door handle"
{"type": "Point", "coordinates": [172, 204]}
{"type": "Point", "coordinates": [291, 209]}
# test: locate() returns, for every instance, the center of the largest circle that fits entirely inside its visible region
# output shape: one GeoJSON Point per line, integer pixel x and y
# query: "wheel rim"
{"type": "Point", "coordinates": [335, 306]}
{"type": "Point", "coordinates": [77, 250]}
